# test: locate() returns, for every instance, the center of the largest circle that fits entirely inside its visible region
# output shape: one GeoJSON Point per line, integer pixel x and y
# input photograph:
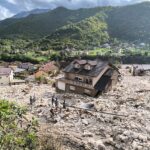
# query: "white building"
{"type": "Point", "coordinates": [6, 76]}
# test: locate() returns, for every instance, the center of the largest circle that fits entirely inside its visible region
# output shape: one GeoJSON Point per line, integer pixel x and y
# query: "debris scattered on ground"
{"type": "Point", "coordinates": [82, 126]}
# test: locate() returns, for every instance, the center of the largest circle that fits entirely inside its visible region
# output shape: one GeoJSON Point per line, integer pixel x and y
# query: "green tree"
{"type": "Point", "coordinates": [16, 132]}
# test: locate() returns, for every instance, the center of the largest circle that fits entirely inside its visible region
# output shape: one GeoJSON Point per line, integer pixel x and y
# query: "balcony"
{"type": "Point", "coordinates": [76, 83]}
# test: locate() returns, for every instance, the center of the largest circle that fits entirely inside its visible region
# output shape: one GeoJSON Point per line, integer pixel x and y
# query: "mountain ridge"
{"type": "Point", "coordinates": [24, 14]}
{"type": "Point", "coordinates": [44, 24]}
{"type": "Point", "coordinates": [129, 23]}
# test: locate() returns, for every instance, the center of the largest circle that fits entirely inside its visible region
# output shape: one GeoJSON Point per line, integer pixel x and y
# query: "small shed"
{"type": "Point", "coordinates": [6, 76]}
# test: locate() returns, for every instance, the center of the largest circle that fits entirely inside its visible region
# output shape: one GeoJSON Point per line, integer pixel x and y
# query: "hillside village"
{"type": "Point", "coordinates": [26, 72]}
{"type": "Point", "coordinates": [18, 73]}
{"type": "Point", "coordinates": [117, 117]}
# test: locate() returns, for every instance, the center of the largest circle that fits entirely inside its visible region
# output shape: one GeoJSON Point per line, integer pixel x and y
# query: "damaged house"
{"type": "Point", "coordinates": [88, 77]}
{"type": "Point", "coordinates": [141, 69]}
{"type": "Point", "coordinates": [6, 76]}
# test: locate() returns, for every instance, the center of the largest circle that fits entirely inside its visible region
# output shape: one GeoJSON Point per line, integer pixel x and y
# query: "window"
{"type": "Point", "coordinates": [87, 67]}
{"type": "Point", "coordinates": [72, 88]}
{"type": "Point", "coordinates": [78, 79]}
{"type": "Point", "coordinates": [76, 65]}
{"type": "Point", "coordinates": [88, 81]}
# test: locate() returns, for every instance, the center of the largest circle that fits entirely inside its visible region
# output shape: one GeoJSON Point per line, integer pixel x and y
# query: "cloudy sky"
{"type": "Point", "coordinates": [9, 8]}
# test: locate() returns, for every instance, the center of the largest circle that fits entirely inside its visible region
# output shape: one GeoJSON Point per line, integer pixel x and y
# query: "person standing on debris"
{"type": "Point", "coordinates": [56, 102]}
{"type": "Point", "coordinates": [64, 104]}
{"type": "Point", "coordinates": [53, 99]}
{"type": "Point", "coordinates": [52, 112]}
{"type": "Point", "coordinates": [34, 98]}
{"type": "Point", "coordinates": [31, 100]}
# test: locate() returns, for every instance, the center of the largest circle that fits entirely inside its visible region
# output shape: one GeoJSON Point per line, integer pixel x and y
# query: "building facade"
{"type": "Point", "coordinates": [88, 77]}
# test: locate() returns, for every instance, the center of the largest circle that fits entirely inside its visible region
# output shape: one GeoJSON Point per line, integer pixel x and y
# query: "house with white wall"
{"type": "Point", "coordinates": [6, 76]}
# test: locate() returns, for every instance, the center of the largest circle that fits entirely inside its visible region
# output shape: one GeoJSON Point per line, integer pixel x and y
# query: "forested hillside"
{"type": "Point", "coordinates": [92, 30]}
{"type": "Point", "coordinates": [35, 26]}
{"type": "Point", "coordinates": [130, 23]}
{"type": "Point", "coordinates": [83, 29]}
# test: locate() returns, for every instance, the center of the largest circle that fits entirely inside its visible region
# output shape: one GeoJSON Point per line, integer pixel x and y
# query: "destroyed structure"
{"type": "Point", "coordinates": [26, 66]}
{"type": "Point", "coordinates": [141, 69]}
{"type": "Point", "coordinates": [6, 76]}
{"type": "Point", "coordinates": [88, 77]}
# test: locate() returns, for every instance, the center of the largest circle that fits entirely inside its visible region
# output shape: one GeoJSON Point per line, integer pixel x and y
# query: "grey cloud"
{"type": "Point", "coordinates": [26, 5]}
{"type": "Point", "coordinates": [73, 4]}
{"type": "Point", "coordinates": [4, 13]}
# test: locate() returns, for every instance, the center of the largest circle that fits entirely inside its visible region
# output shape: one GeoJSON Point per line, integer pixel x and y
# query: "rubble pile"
{"type": "Point", "coordinates": [119, 119]}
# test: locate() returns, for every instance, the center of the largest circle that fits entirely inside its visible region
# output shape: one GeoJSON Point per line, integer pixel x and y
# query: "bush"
{"type": "Point", "coordinates": [16, 132]}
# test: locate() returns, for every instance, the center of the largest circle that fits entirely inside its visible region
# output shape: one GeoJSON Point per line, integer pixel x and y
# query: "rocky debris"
{"type": "Point", "coordinates": [85, 122]}
{"type": "Point", "coordinates": [87, 134]}
{"type": "Point", "coordinates": [83, 125]}
{"type": "Point", "coordinates": [87, 106]}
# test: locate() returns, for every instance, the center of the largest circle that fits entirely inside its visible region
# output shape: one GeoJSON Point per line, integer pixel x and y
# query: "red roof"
{"type": "Point", "coordinates": [48, 67]}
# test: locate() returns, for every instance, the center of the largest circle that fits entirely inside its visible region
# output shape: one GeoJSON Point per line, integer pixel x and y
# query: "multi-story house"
{"type": "Point", "coordinates": [88, 77]}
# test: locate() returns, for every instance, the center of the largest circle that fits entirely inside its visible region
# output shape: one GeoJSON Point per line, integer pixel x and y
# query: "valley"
{"type": "Point", "coordinates": [75, 79]}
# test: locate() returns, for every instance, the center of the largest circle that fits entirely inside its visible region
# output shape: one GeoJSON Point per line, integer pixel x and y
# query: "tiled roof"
{"type": "Point", "coordinates": [25, 65]}
{"type": "Point", "coordinates": [98, 66]}
{"type": "Point", "coordinates": [48, 67]}
{"type": "Point", "coordinates": [83, 62]}
{"type": "Point", "coordinates": [5, 71]}
{"type": "Point", "coordinates": [92, 63]}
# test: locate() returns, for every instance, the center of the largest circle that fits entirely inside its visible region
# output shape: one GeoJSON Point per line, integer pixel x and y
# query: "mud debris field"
{"type": "Point", "coordinates": [119, 119]}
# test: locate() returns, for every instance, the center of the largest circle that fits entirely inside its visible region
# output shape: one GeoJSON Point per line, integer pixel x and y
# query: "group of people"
{"type": "Point", "coordinates": [55, 103]}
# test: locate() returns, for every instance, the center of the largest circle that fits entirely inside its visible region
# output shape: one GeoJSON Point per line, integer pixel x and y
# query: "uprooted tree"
{"type": "Point", "coordinates": [16, 132]}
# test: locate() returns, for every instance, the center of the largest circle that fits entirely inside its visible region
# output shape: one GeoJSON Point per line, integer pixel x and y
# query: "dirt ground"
{"type": "Point", "coordinates": [120, 119]}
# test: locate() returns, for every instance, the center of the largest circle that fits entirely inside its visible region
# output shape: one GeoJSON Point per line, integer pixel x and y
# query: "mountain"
{"type": "Point", "coordinates": [40, 25]}
{"type": "Point", "coordinates": [88, 32]}
{"type": "Point", "coordinates": [27, 13]}
{"type": "Point", "coordinates": [130, 23]}
{"type": "Point", "coordinates": [91, 26]}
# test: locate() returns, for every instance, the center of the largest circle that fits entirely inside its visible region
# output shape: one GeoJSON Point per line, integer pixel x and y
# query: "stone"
{"type": "Point", "coordinates": [85, 122]}
{"type": "Point", "coordinates": [127, 133]}
{"type": "Point", "coordinates": [87, 134]}
{"type": "Point", "coordinates": [108, 141]}
{"type": "Point", "coordinates": [123, 138]}
{"type": "Point", "coordinates": [142, 138]}
{"type": "Point", "coordinates": [135, 145]}
{"type": "Point", "coordinates": [100, 145]}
